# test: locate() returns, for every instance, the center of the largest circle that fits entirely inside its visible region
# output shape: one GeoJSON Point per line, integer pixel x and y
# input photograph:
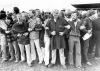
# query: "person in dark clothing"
{"type": "Point", "coordinates": [96, 35]}
{"type": "Point", "coordinates": [3, 28]}
{"type": "Point", "coordinates": [87, 23]}
{"type": "Point", "coordinates": [56, 32]}
{"type": "Point", "coordinates": [21, 27]}
{"type": "Point", "coordinates": [74, 41]}
{"type": "Point", "coordinates": [11, 39]}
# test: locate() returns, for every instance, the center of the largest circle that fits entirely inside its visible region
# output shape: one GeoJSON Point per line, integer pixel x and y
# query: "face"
{"type": "Point", "coordinates": [8, 21]}
{"type": "Point", "coordinates": [74, 16]}
{"type": "Point", "coordinates": [56, 14]}
{"type": "Point", "coordinates": [23, 16]}
{"type": "Point", "coordinates": [30, 14]}
{"type": "Point", "coordinates": [14, 17]}
{"type": "Point", "coordinates": [38, 12]}
{"type": "Point", "coordinates": [20, 19]}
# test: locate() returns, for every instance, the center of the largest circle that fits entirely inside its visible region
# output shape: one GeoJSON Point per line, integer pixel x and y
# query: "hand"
{"type": "Point", "coordinates": [89, 31]}
{"type": "Point", "coordinates": [25, 34]}
{"type": "Point", "coordinates": [53, 33]}
{"type": "Point", "coordinates": [7, 31]}
{"type": "Point", "coordinates": [43, 25]}
{"type": "Point", "coordinates": [68, 26]}
{"type": "Point", "coordinates": [61, 33]}
{"type": "Point", "coordinates": [82, 27]}
{"type": "Point", "coordinates": [19, 35]}
{"type": "Point", "coordinates": [29, 29]}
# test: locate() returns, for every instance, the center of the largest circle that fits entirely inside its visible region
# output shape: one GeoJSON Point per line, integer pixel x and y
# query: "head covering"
{"type": "Point", "coordinates": [2, 14]}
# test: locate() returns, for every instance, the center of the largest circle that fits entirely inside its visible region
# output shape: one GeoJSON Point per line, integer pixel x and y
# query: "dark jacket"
{"type": "Point", "coordinates": [10, 37]}
{"type": "Point", "coordinates": [88, 25]}
{"type": "Point", "coordinates": [57, 41]}
{"type": "Point", "coordinates": [96, 29]}
{"type": "Point", "coordinates": [22, 29]}
{"type": "Point", "coordinates": [75, 31]}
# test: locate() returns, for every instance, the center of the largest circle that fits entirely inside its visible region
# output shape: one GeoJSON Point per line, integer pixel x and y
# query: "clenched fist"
{"type": "Point", "coordinates": [53, 33]}
{"type": "Point", "coordinates": [29, 29]}
{"type": "Point", "coordinates": [7, 31]}
{"type": "Point", "coordinates": [61, 33]}
{"type": "Point", "coordinates": [68, 26]}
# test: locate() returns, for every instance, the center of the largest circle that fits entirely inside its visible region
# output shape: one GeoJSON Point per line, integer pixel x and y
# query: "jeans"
{"type": "Point", "coordinates": [47, 49]}
{"type": "Point", "coordinates": [61, 54]}
{"type": "Point", "coordinates": [28, 53]}
{"type": "Point", "coordinates": [3, 47]}
{"type": "Point", "coordinates": [74, 41]}
{"type": "Point", "coordinates": [35, 42]}
{"type": "Point", "coordinates": [13, 46]}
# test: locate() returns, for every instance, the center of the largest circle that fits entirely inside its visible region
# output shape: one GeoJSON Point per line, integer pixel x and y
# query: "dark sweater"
{"type": "Point", "coordinates": [22, 29]}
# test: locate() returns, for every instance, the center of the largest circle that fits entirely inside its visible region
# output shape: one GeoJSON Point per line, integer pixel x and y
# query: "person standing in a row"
{"type": "Point", "coordinates": [34, 36]}
{"type": "Point", "coordinates": [56, 32]}
{"type": "Point", "coordinates": [95, 39]}
{"type": "Point", "coordinates": [74, 41]}
{"type": "Point", "coordinates": [3, 28]}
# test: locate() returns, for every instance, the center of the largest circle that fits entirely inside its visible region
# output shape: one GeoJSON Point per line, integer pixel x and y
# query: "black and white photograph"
{"type": "Point", "coordinates": [49, 35]}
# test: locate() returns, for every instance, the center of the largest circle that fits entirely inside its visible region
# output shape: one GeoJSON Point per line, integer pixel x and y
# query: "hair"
{"type": "Point", "coordinates": [33, 11]}
{"type": "Point", "coordinates": [16, 10]}
{"type": "Point", "coordinates": [9, 16]}
{"type": "Point", "coordinates": [2, 14]}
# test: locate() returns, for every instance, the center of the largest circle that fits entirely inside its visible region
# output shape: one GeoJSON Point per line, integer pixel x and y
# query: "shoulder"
{"type": "Point", "coordinates": [60, 18]}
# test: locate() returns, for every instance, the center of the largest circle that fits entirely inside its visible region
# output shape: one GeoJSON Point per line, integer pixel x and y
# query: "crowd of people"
{"type": "Point", "coordinates": [72, 36]}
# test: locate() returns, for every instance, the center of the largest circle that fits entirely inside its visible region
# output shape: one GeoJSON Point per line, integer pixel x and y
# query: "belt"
{"type": "Point", "coordinates": [75, 35]}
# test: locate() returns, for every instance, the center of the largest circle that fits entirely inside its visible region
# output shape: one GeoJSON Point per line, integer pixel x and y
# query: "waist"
{"type": "Point", "coordinates": [75, 35]}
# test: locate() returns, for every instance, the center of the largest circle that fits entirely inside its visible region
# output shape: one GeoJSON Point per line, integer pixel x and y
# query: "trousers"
{"type": "Point", "coordinates": [61, 54]}
{"type": "Point", "coordinates": [74, 41]}
{"type": "Point", "coordinates": [35, 42]}
{"type": "Point", "coordinates": [3, 47]}
{"type": "Point", "coordinates": [13, 46]}
{"type": "Point", "coordinates": [28, 53]}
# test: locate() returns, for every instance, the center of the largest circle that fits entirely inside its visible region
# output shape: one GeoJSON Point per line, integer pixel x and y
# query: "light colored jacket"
{"type": "Point", "coordinates": [32, 22]}
{"type": "Point", "coordinates": [3, 26]}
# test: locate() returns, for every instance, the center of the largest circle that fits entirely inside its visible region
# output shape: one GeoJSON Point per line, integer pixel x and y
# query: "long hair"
{"type": "Point", "coordinates": [16, 10]}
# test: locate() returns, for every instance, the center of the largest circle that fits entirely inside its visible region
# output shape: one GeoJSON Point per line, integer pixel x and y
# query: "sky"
{"type": "Point", "coordinates": [45, 5]}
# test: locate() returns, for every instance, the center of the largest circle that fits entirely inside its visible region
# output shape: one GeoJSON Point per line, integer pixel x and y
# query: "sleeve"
{"type": "Point", "coordinates": [13, 32]}
{"type": "Point", "coordinates": [65, 23]}
{"type": "Point", "coordinates": [87, 24]}
{"type": "Point", "coordinates": [2, 30]}
{"type": "Point", "coordinates": [39, 21]}
{"type": "Point", "coordinates": [38, 25]}
{"type": "Point", "coordinates": [47, 28]}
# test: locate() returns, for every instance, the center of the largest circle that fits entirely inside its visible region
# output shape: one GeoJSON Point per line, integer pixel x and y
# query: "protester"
{"type": "Point", "coordinates": [21, 27]}
{"type": "Point", "coordinates": [28, 34]}
{"type": "Point", "coordinates": [87, 23]}
{"type": "Point", "coordinates": [74, 41]}
{"type": "Point", "coordinates": [56, 32]}
{"type": "Point", "coordinates": [34, 36]}
{"type": "Point", "coordinates": [3, 28]}
{"type": "Point", "coordinates": [95, 36]}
